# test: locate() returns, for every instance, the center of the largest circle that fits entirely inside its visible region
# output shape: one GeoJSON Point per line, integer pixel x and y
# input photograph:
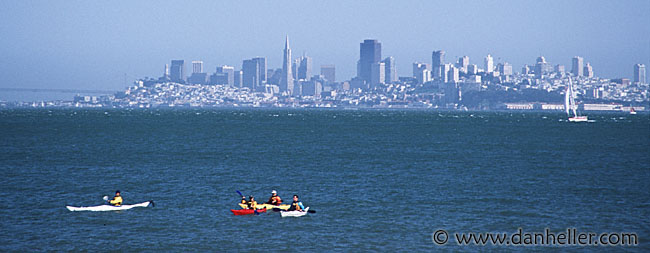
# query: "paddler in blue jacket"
{"type": "Point", "coordinates": [117, 200]}
{"type": "Point", "coordinates": [296, 205]}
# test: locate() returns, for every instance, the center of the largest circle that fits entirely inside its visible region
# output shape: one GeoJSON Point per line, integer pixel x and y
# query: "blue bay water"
{"type": "Point", "coordinates": [379, 180]}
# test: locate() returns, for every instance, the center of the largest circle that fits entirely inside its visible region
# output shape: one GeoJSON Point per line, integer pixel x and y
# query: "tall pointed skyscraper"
{"type": "Point", "coordinates": [286, 81]}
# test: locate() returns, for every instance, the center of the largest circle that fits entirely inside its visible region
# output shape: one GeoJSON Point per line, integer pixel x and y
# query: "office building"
{"type": "Point", "coordinates": [444, 70]}
{"type": "Point", "coordinates": [225, 75]}
{"type": "Point", "coordinates": [391, 72]}
{"type": "Point", "coordinates": [437, 60]}
{"type": "Point", "coordinates": [588, 71]}
{"type": "Point", "coordinates": [378, 74]}
{"type": "Point", "coordinates": [328, 72]}
{"type": "Point", "coordinates": [421, 72]}
{"type": "Point", "coordinates": [542, 67]}
{"type": "Point", "coordinates": [489, 64]}
{"type": "Point", "coordinates": [525, 70]}
{"type": "Point", "coordinates": [177, 73]}
{"type": "Point", "coordinates": [310, 88]}
{"type": "Point", "coordinates": [370, 53]}
{"type": "Point", "coordinates": [238, 78]}
{"type": "Point", "coordinates": [453, 74]}
{"type": "Point", "coordinates": [639, 73]}
{"type": "Point", "coordinates": [197, 67]}
{"type": "Point", "coordinates": [504, 69]}
{"type": "Point", "coordinates": [261, 63]}
{"type": "Point", "coordinates": [472, 69]}
{"type": "Point", "coordinates": [252, 74]}
{"type": "Point", "coordinates": [304, 68]}
{"type": "Point", "coordinates": [463, 63]}
{"type": "Point", "coordinates": [286, 81]}
{"type": "Point", "coordinates": [576, 66]}
{"type": "Point", "coordinates": [198, 77]}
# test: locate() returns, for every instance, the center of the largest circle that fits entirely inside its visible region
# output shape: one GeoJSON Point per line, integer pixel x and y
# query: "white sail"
{"type": "Point", "coordinates": [571, 97]}
{"type": "Point", "coordinates": [566, 99]}
{"type": "Point", "coordinates": [569, 101]}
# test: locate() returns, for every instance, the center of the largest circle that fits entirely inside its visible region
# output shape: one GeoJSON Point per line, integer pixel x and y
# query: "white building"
{"type": "Point", "coordinates": [489, 64]}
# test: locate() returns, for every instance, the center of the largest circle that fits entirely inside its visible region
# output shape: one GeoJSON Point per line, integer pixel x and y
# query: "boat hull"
{"type": "Point", "coordinates": [294, 213]}
{"type": "Point", "coordinates": [246, 211]}
{"type": "Point", "coordinates": [578, 119]}
{"type": "Point", "coordinates": [106, 207]}
{"type": "Point", "coordinates": [267, 206]}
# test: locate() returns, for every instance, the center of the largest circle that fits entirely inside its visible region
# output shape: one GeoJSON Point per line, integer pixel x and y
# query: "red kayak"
{"type": "Point", "coordinates": [247, 211]}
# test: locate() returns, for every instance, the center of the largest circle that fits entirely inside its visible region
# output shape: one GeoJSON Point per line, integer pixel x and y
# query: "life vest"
{"type": "Point", "coordinates": [295, 206]}
{"type": "Point", "coordinates": [275, 199]}
{"type": "Point", "coordinates": [252, 205]}
{"type": "Point", "coordinates": [116, 201]}
{"type": "Point", "coordinates": [243, 201]}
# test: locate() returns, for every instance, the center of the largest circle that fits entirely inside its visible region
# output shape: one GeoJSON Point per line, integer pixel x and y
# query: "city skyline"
{"type": "Point", "coordinates": [68, 47]}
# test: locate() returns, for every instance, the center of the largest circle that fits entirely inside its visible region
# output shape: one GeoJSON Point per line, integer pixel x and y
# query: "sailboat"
{"type": "Point", "coordinates": [570, 103]}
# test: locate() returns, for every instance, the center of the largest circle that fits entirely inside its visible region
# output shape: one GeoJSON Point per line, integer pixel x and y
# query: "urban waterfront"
{"type": "Point", "coordinates": [440, 84]}
{"type": "Point", "coordinates": [380, 180]}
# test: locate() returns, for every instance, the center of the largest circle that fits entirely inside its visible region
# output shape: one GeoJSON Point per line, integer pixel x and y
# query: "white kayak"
{"type": "Point", "coordinates": [108, 207]}
{"type": "Point", "coordinates": [294, 213]}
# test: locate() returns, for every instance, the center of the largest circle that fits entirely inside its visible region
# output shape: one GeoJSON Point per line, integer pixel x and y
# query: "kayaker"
{"type": "Point", "coordinates": [274, 199]}
{"type": "Point", "coordinates": [243, 200]}
{"type": "Point", "coordinates": [117, 200]}
{"type": "Point", "coordinates": [252, 204]}
{"type": "Point", "coordinates": [296, 205]}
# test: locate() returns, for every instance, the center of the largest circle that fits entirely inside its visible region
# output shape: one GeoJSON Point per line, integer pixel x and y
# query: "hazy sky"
{"type": "Point", "coordinates": [92, 44]}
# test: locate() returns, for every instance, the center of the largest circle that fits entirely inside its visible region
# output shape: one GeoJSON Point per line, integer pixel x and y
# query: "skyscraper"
{"type": "Point", "coordinates": [437, 60]}
{"type": "Point", "coordinates": [370, 53]}
{"type": "Point", "coordinates": [463, 63]}
{"type": "Point", "coordinates": [251, 74]}
{"type": "Point", "coordinates": [489, 64]}
{"type": "Point", "coordinates": [178, 71]}
{"type": "Point", "coordinates": [391, 71]}
{"type": "Point", "coordinates": [421, 72]}
{"type": "Point", "coordinates": [224, 75]}
{"type": "Point", "coordinates": [197, 66]}
{"type": "Point", "coordinates": [198, 77]}
{"type": "Point", "coordinates": [304, 67]}
{"type": "Point", "coordinates": [444, 72]}
{"type": "Point", "coordinates": [238, 78]}
{"type": "Point", "coordinates": [254, 73]}
{"type": "Point", "coordinates": [261, 62]}
{"type": "Point", "coordinates": [588, 71]}
{"type": "Point", "coordinates": [378, 74]}
{"type": "Point", "coordinates": [639, 73]}
{"type": "Point", "coordinates": [577, 68]}
{"type": "Point", "coordinates": [453, 74]}
{"type": "Point", "coordinates": [329, 72]}
{"type": "Point", "coordinates": [505, 69]}
{"type": "Point", "coordinates": [286, 81]}
{"type": "Point", "coordinates": [472, 69]}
